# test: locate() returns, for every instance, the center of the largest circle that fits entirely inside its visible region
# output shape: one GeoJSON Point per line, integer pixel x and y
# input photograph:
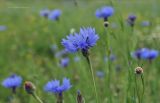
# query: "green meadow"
{"type": "Point", "coordinates": [25, 49]}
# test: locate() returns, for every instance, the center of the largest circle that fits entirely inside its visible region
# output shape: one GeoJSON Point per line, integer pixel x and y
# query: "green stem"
{"type": "Point", "coordinates": [93, 78]}
{"type": "Point", "coordinates": [109, 65]}
{"type": "Point", "coordinates": [75, 2]}
{"type": "Point", "coordinates": [59, 98]}
{"type": "Point", "coordinates": [143, 87]}
{"type": "Point", "coordinates": [137, 90]}
{"type": "Point", "coordinates": [37, 98]}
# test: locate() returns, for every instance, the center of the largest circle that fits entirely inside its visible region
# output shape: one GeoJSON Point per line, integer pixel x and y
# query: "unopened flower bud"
{"type": "Point", "coordinates": [80, 99]}
{"type": "Point", "coordinates": [138, 70]}
{"type": "Point", "coordinates": [72, 30]}
{"type": "Point", "coordinates": [29, 87]}
{"type": "Point", "coordinates": [106, 23]}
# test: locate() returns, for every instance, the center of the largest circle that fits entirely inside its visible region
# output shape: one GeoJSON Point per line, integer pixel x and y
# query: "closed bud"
{"type": "Point", "coordinates": [79, 97]}
{"type": "Point", "coordinates": [138, 70]}
{"type": "Point", "coordinates": [72, 30]}
{"type": "Point", "coordinates": [29, 87]}
{"type": "Point", "coordinates": [106, 23]}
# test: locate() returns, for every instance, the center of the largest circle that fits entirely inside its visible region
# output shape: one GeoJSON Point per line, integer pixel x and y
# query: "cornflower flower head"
{"type": "Point", "coordinates": [54, 48]}
{"type": "Point", "coordinates": [3, 28]}
{"type": "Point", "coordinates": [55, 14]}
{"type": "Point", "coordinates": [138, 53]}
{"type": "Point", "coordinates": [131, 20]}
{"type": "Point", "coordinates": [104, 12]}
{"type": "Point", "coordinates": [145, 23]}
{"type": "Point", "coordinates": [77, 58]}
{"type": "Point", "coordinates": [83, 40]}
{"type": "Point", "coordinates": [150, 55]}
{"type": "Point", "coordinates": [12, 82]}
{"type": "Point", "coordinates": [64, 62]}
{"type": "Point", "coordinates": [145, 53]}
{"type": "Point", "coordinates": [111, 57]}
{"type": "Point", "coordinates": [100, 74]}
{"type": "Point", "coordinates": [44, 13]}
{"type": "Point", "coordinates": [55, 87]}
{"type": "Point", "coordinates": [62, 53]}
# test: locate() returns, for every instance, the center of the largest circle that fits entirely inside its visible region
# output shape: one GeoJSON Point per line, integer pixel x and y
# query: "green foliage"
{"type": "Point", "coordinates": [25, 48]}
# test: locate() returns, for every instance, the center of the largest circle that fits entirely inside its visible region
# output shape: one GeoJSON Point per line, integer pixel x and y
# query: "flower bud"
{"type": "Point", "coordinates": [80, 98]}
{"type": "Point", "coordinates": [72, 30]}
{"type": "Point", "coordinates": [138, 70]}
{"type": "Point", "coordinates": [29, 87]}
{"type": "Point", "coordinates": [106, 23]}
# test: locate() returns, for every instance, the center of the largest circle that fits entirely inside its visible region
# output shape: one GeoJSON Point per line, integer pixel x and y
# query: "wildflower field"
{"type": "Point", "coordinates": [79, 51]}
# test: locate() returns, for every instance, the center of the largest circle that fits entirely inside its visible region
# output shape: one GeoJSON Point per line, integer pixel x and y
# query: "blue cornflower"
{"type": "Point", "coordinates": [55, 87]}
{"type": "Point", "coordinates": [3, 28]}
{"type": "Point", "coordinates": [111, 57]}
{"type": "Point", "coordinates": [44, 12]}
{"type": "Point", "coordinates": [55, 14]}
{"type": "Point", "coordinates": [150, 55]}
{"type": "Point", "coordinates": [104, 12]}
{"type": "Point", "coordinates": [83, 40]}
{"type": "Point", "coordinates": [100, 74]}
{"type": "Point", "coordinates": [145, 23]}
{"type": "Point", "coordinates": [138, 53]}
{"type": "Point", "coordinates": [145, 53]}
{"type": "Point", "coordinates": [54, 48]}
{"type": "Point", "coordinates": [61, 53]}
{"type": "Point", "coordinates": [77, 58]}
{"type": "Point", "coordinates": [64, 62]}
{"type": "Point", "coordinates": [131, 19]}
{"type": "Point", "coordinates": [12, 82]}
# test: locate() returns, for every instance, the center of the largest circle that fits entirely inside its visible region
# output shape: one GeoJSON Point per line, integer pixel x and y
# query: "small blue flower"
{"type": "Point", "coordinates": [112, 57]}
{"type": "Point", "coordinates": [3, 28]}
{"type": "Point", "coordinates": [54, 48]}
{"type": "Point", "coordinates": [55, 87]}
{"type": "Point", "coordinates": [12, 81]}
{"type": "Point", "coordinates": [44, 12]}
{"type": "Point", "coordinates": [104, 12]}
{"type": "Point", "coordinates": [114, 25]}
{"type": "Point", "coordinates": [64, 62]}
{"type": "Point", "coordinates": [77, 58]}
{"type": "Point", "coordinates": [150, 55]}
{"type": "Point", "coordinates": [131, 19]}
{"type": "Point", "coordinates": [61, 53]}
{"type": "Point", "coordinates": [83, 40]}
{"type": "Point", "coordinates": [145, 53]}
{"type": "Point", "coordinates": [138, 53]}
{"type": "Point", "coordinates": [100, 74]}
{"type": "Point", "coordinates": [55, 14]}
{"type": "Point", "coordinates": [145, 23]}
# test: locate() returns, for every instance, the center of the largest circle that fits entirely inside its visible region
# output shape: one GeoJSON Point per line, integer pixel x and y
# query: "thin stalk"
{"type": "Point", "coordinates": [60, 98]}
{"type": "Point", "coordinates": [137, 90]}
{"type": "Point", "coordinates": [93, 78]}
{"type": "Point", "coordinates": [142, 78]}
{"type": "Point", "coordinates": [75, 2]}
{"type": "Point", "coordinates": [109, 65]}
{"type": "Point", "coordinates": [37, 98]}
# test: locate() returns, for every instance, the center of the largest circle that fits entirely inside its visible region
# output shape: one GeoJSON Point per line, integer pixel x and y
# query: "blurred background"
{"type": "Point", "coordinates": [30, 46]}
